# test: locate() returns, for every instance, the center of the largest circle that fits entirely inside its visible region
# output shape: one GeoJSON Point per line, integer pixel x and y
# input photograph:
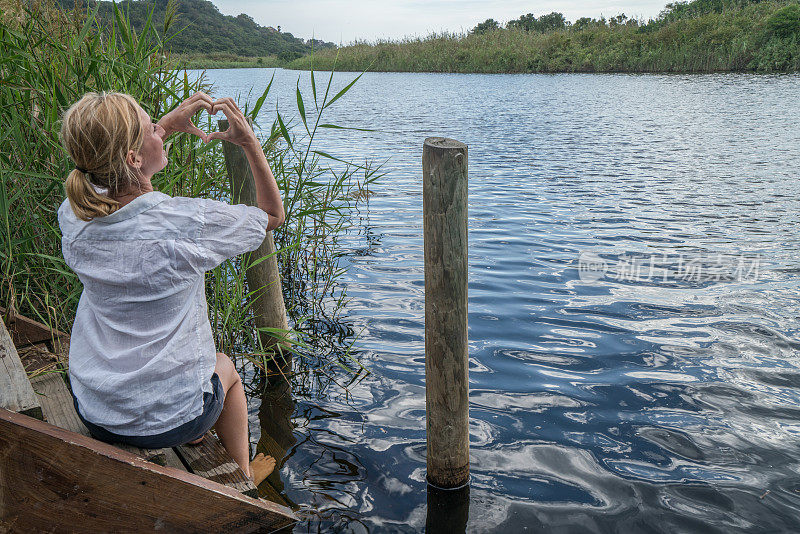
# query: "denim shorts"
{"type": "Point", "coordinates": [189, 431]}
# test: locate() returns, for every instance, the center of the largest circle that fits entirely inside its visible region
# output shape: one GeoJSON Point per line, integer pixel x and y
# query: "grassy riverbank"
{"type": "Point", "coordinates": [701, 36]}
{"type": "Point", "coordinates": [50, 59]}
{"type": "Point", "coordinates": [225, 61]}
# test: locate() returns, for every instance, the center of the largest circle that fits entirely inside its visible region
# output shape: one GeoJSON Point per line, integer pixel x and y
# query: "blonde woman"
{"type": "Point", "coordinates": [143, 367]}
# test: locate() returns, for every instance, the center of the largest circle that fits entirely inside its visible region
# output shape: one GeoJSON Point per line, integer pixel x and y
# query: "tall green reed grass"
{"type": "Point", "coordinates": [48, 59]}
{"type": "Point", "coordinates": [741, 39]}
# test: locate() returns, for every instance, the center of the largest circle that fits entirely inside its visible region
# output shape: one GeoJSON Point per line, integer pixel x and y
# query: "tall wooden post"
{"type": "Point", "coordinates": [268, 307]}
{"type": "Point", "coordinates": [444, 194]}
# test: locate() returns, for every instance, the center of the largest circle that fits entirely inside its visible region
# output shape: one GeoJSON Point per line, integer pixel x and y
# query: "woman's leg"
{"type": "Point", "coordinates": [231, 426]}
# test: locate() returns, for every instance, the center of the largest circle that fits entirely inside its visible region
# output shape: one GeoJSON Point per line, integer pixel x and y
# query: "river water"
{"type": "Point", "coordinates": [633, 305]}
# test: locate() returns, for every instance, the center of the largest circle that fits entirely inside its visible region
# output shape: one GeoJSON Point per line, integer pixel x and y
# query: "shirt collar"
{"type": "Point", "coordinates": [133, 208]}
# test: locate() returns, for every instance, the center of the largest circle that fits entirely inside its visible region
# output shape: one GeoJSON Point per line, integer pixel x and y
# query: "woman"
{"type": "Point", "coordinates": [142, 363]}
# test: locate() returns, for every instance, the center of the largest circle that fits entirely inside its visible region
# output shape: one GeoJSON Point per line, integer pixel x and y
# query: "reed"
{"type": "Point", "coordinates": [50, 58]}
{"type": "Point", "coordinates": [761, 37]}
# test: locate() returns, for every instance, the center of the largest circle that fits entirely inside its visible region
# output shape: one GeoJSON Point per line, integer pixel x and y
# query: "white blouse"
{"type": "Point", "coordinates": [142, 352]}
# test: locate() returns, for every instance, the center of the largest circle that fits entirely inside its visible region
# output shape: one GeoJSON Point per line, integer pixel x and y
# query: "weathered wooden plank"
{"type": "Point", "coordinates": [16, 393]}
{"type": "Point", "coordinates": [157, 456]}
{"type": "Point", "coordinates": [25, 331]}
{"type": "Point", "coordinates": [210, 460]}
{"type": "Point", "coordinates": [171, 459]}
{"type": "Point", "coordinates": [54, 480]}
{"type": "Point", "coordinates": [57, 404]}
{"type": "Point", "coordinates": [59, 410]}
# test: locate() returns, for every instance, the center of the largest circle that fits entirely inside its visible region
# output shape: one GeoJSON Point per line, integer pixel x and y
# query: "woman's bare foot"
{"type": "Point", "coordinates": [260, 467]}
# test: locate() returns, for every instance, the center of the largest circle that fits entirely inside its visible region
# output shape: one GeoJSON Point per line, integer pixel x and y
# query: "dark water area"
{"type": "Point", "coordinates": [633, 306]}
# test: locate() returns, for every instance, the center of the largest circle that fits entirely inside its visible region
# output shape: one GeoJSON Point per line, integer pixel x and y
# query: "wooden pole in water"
{"type": "Point", "coordinates": [444, 194]}
{"type": "Point", "coordinates": [268, 307]}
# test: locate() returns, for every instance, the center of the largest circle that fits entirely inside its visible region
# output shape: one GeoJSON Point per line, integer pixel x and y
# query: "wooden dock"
{"type": "Point", "coordinates": [54, 477]}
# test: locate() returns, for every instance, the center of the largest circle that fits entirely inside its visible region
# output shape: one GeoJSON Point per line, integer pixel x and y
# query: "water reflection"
{"type": "Point", "coordinates": [622, 404]}
{"type": "Point", "coordinates": [448, 510]}
{"type": "Point", "coordinates": [277, 435]}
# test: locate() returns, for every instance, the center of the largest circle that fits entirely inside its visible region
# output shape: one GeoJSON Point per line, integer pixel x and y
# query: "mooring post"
{"type": "Point", "coordinates": [268, 307]}
{"type": "Point", "coordinates": [444, 195]}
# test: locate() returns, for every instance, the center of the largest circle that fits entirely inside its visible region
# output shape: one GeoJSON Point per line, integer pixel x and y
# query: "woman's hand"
{"type": "Point", "coordinates": [180, 118]}
{"type": "Point", "coordinates": [239, 131]}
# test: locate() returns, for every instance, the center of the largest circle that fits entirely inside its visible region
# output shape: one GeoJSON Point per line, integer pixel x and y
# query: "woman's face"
{"type": "Point", "coordinates": [152, 155]}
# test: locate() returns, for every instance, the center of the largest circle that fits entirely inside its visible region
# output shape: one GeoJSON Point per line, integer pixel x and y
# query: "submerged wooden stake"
{"type": "Point", "coordinates": [268, 307]}
{"type": "Point", "coordinates": [444, 176]}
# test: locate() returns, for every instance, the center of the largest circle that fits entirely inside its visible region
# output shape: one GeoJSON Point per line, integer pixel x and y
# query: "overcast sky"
{"type": "Point", "coordinates": [342, 21]}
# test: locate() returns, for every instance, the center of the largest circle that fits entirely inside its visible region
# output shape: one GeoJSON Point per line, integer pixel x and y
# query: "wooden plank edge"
{"type": "Point", "coordinates": [58, 410]}
{"type": "Point", "coordinates": [118, 455]}
{"type": "Point", "coordinates": [155, 456]}
{"type": "Point", "coordinates": [25, 331]}
{"type": "Point", "coordinates": [34, 412]}
{"type": "Point", "coordinates": [16, 392]}
{"type": "Point", "coordinates": [226, 471]}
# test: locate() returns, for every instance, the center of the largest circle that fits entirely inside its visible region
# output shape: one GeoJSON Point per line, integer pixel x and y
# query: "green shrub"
{"type": "Point", "coordinates": [784, 23]}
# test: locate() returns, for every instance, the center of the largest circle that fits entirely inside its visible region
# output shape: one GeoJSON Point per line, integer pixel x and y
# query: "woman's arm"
{"type": "Point", "coordinates": [239, 132]}
{"type": "Point", "coordinates": [268, 196]}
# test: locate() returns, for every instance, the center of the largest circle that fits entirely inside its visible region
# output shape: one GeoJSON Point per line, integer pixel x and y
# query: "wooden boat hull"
{"type": "Point", "coordinates": [55, 480]}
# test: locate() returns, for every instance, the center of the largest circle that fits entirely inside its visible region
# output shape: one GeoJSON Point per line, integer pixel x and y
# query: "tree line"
{"type": "Point", "coordinates": [199, 28]}
{"type": "Point", "coordinates": [787, 22]}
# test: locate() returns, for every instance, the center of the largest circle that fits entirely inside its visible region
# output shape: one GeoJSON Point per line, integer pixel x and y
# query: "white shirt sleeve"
{"type": "Point", "coordinates": [227, 231]}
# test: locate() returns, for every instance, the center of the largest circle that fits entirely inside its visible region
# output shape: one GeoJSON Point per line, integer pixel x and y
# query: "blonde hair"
{"type": "Point", "coordinates": [98, 131]}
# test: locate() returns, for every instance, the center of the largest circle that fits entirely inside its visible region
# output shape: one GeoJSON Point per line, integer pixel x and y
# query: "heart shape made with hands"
{"type": "Point", "coordinates": [214, 111]}
{"type": "Point", "coordinates": [213, 106]}
{"type": "Point", "coordinates": [228, 106]}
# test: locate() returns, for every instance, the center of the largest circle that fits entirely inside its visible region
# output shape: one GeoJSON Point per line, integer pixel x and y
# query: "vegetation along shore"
{"type": "Point", "coordinates": [698, 36]}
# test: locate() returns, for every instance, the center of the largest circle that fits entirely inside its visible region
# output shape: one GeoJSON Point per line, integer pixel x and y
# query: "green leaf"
{"type": "Point", "coordinates": [284, 131]}
{"type": "Point", "coordinates": [260, 101]}
{"type": "Point", "coordinates": [123, 27]}
{"type": "Point", "coordinates": [326, 155]}
{"type": "Point", "coordinates": [301, 107]}
{"type": "Point", "coordinates": [59, 96]}
{"type": "Point", "coordinates": [313, 83]}
{"type": "Point", "coordinates": [147, 25]}
{"type": "Point", "coordinates": [88, 24]}
{"type": "Point", "coordinates": [343, 91]}
{"type": "Point", "coordinates": [346, 128]}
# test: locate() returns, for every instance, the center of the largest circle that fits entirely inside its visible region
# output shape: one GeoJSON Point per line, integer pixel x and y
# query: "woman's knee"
{"type": "Point", "coordinates": [226, 371]}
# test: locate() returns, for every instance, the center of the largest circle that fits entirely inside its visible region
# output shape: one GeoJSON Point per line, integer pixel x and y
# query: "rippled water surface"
{"type": "Point", "coordinates": [656, 392]}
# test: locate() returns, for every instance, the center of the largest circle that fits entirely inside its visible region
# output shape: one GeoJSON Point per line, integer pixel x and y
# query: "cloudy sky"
{"type": "Point", "coordinates": [342, 21]}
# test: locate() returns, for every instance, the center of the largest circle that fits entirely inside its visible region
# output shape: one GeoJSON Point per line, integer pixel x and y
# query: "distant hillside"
{"type": "Point", "coordinates": [207, 30]}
